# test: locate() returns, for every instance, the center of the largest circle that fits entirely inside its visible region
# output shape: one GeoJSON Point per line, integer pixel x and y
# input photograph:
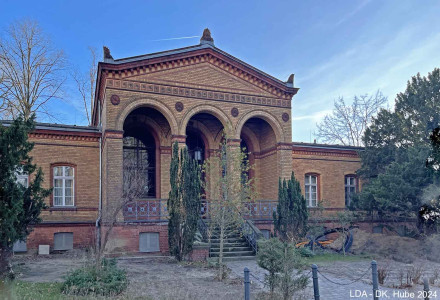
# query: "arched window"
{"type": "Point", "coordinates": [140, 157]}
{"type": "Point", "coordinates": [312, 189]}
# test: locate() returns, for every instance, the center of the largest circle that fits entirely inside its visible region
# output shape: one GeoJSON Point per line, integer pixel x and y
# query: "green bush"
{"type": "Point", "coordinates": [108, 280]}
{"type": "Point", "coordinates": [284, 264]}
{"type": "Point", "coordinates": [306, 252]}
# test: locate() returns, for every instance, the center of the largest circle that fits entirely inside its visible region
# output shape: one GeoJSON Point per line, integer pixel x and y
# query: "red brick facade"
{"type": "Point", "coordinates": [171, 96]}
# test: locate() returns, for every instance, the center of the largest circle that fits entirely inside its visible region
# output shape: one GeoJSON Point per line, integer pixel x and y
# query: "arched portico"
{"type": "Point", "coordinates": [151, 103]}
{"type": "Point", "coordinates": [216, 112]}
{"type": "Point", "coordinates": [261, 134]}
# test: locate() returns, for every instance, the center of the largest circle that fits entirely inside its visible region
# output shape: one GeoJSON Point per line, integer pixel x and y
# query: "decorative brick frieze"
{"type": "Point", "coordinates": [223, 62]}
{"type": "Point", "coordinates": [324, 152]}
{"type": "Point", "coordinates": [113, 134]}
{"type": "Point", "coordinates": [65, 135]}
{"type": "Point", "coordinates": [164, 89]}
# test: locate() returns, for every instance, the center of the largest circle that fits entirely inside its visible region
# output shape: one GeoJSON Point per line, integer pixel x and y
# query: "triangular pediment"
{"type": "Point", "coordinates": [204, 76]}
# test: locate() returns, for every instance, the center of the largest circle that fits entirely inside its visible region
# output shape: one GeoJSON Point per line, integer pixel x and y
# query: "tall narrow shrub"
{"type": "Point", "coordinates": [183, 203]}
{"type": "Point", "coordinates": [291, 216]}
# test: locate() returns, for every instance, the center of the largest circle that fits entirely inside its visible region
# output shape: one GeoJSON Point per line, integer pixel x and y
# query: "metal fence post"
{"type": "Point", "coordinates": [246, 284]}
{"type": "Point", "coordinates": [426, 288]}
{"type": "Point", "coordinates": [315, 281]}
{"type": "Point", "coordinates": [375, 280]}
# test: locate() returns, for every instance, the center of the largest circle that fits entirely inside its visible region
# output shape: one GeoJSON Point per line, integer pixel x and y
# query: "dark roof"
{"type": "Point", "coordinates": [185, 50]}
{"type": "Point", "coordinates": [60, 127]}
{"type": "Point", "coordinates": [327, 146]}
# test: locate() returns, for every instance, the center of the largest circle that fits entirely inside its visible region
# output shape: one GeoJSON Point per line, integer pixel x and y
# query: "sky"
{"type": "Point", "coordinates": [335, 48]}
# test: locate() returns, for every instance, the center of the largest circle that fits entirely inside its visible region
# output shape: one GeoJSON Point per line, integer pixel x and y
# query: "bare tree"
{"type": "Point", "coordinates": [31, 68]}
{"type": "Point", "coordinates": [85, 83]}
{"type": "Point", "coordinates": [135, 185]}
{"type": "Point", "coordinates": [347, 123]}
{"type": "Point", "coordinates": [230, 191]}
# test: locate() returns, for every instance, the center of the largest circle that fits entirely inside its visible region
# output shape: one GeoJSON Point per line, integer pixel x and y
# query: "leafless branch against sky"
{"type": "Point", "coordinates": [347, 123]}
{"type": "Point", "coordinates": [32, 70]}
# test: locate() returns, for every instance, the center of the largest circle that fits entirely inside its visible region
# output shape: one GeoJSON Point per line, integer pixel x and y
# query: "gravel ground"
{"type": "Point", "coordinates": [149, 278]}
{"type": "Point", "coordinates": [164, 278]}
{"type": "Point", "coordinates": [344, 273]}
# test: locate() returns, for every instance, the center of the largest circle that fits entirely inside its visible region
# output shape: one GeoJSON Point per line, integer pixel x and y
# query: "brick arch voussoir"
{"type": "Point", "coordinates": [210, 109]}
{"type": "Point", "coordinates": [269, 118]}
{"type": "Point", "coordinates": [147, 102]}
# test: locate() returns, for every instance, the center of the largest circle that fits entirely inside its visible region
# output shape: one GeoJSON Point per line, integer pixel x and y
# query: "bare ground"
{"type": "Point", "coordinates": [149, 278]}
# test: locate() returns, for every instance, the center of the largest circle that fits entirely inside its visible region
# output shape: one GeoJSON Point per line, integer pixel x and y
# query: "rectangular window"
{"type": "Point", "coordinates": [311, 190]}
{"type": "Point", "coordinates": [350, 188]}
{"type": "Point", "coordinates": [19, 246]}
{"type": "Point", "coordinates": [63, 186]}
{"type": "Point", "coordinates": [63, 241]}
{"type": "Point", "coordinates": [23, 179]}
{"type": "Point", "coordinates": [149, 242]}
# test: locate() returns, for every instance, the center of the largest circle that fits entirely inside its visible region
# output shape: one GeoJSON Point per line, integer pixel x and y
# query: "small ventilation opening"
{"type": "Point", "coordinates": [63, 241]}
{"type": "Point", "coordinates": [149, 242]}
{"type": "Point", "coordinates": [19, 246]}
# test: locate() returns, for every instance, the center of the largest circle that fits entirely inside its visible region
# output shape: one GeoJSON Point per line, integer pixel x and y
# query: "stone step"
{"type": "Point", "coordinates": [229, 236]}
{"type": "Point", "coordinates": [229, 240]}
{"type": "Point", "coordinates": [234, 253]}
{"type": "Point", "coordinates": [235, 258]}
{"type": "Point", "coordinates": [238, 244]}
{"type": "Point", "coordinates": [231, 249]}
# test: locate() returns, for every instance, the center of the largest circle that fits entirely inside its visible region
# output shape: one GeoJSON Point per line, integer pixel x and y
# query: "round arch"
{"type": "Point", "coordinates": [251, 139]}
{"type": "Point", "coordinates": [206, 134]}
{"type": "Point", "coordinates": [269, 118]}
{"type": "Point", "coordinates": [147, 102]}
{"type": "Point", "coordinates": [206, 108]}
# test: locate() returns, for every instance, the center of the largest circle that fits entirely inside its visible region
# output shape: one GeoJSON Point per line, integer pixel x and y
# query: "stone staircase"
{"type": "Point", "coordinates": [235, 246]}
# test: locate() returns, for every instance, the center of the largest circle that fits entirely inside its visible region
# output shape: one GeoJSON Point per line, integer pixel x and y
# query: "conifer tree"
{"type": "Point", "coordinates": [183, 203]}
{"type": "Point", "coordinates": [20, 205]}
{"type": "Point", "coordinates": [291, 216]}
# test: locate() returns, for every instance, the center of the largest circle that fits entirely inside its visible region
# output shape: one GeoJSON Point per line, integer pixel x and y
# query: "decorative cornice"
{"type": "Point", "coordinates": [165, 89]}
{"type": "Point", "coordinates": [113, 134]}
{"type": "Point", "coordinates": [324, 152]}
{"type": "Point", "coordinates": [178, 138]}
{"type": "Point", "coordinates": [209, 55]}
{"type": "Point", "coordinates": [65, 135]}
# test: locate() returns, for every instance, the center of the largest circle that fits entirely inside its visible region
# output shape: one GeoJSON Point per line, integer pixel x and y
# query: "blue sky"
{"type": "Point", "coordinates": [334, 48]}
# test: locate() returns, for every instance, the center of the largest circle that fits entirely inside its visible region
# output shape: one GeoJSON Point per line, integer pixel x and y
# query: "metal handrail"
{"type": "Point", "coordinates": [204, 230]}
{"type": "Point", "coordinates": [250, 232]}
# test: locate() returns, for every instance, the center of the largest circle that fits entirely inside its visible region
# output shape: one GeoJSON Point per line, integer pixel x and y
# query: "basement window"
{"type": "Point", "coordinates": [19, 246]}
{"type": "Point", "coordinates": [149, 242]}
{"type": "Point", "coordinates": [63, 241]}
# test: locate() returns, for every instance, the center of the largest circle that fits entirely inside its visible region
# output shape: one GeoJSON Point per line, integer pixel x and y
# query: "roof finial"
{"type": "Point", "coordinates": [206, 37]}
{"type": "Point", "coordinates": [107, 55]}
{"type": "Point", "coordinates": [290, 80]}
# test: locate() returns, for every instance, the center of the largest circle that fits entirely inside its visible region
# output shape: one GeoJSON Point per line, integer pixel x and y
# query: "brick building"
{"type": "Point", "coordinates": [189, 95]}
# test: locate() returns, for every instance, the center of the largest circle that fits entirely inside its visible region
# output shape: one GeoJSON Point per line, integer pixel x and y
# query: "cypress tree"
{"type": "Point", "coordinates": [174, 207]}
{"type": "Point", "coordinates": [191, 187]}
{"type": "Point", "coordinates": [183, 203]}
{"type": "Point", "coordinates": [20, 206]}
{"type": "Point", "coordinates": [291, 216]}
